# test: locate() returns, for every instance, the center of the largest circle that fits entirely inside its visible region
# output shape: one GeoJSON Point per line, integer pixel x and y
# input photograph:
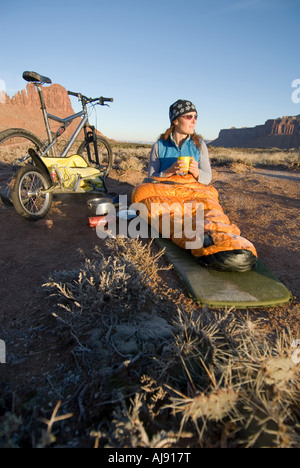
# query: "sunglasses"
{"type": "Point", "coordinates": [190, 117]}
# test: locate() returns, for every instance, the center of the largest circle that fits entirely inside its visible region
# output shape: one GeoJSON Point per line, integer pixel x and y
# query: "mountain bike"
{"type": "Point", "coordinates": [31, 171]}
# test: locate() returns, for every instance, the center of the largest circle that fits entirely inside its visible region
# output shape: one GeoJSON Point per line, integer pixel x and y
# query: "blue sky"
{"type": "Point", "coordinates": [235, 59]}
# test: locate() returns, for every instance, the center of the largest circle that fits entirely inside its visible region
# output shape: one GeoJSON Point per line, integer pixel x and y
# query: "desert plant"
{"type": "Point", "coordinates": [197, 355]}
{"type": "Point", "coordinates": [48, 436]}
{"type": "Point", "coordinates": [269, 382]}
{"type": "Point", "coordinates": [127, 430]}
{"type": "Point", "coordinates": [241, 158]}
{"type": "Point", "coordinates": [140, 255]}
{"type": "Point", "coordinates": [204, 408]}
{"type": "Point", "coordinates": [131, 158]}
{"type": "Point", "coordinates": [199, 377]}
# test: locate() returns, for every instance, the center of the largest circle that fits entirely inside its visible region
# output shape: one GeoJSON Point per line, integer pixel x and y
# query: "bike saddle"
{"type": "Point", "coordinates": [35, 77]}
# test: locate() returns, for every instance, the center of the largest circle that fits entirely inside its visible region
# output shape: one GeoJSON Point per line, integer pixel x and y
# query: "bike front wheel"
{"type": "Point", "coordinates": [14, 145]}
{"type": "Point", "coordinates": [29, 193]}
{"type": "Point", "coordinates": [104, 161]}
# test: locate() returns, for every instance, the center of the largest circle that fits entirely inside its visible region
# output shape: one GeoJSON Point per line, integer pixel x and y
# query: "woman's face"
{"type": "Point", "coordinates": [186, 123]}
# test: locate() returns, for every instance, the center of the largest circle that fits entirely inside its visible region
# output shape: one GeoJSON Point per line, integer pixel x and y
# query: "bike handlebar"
{"type": "Point", "coordinates": [102, 100]}
{"type": "Point", "coordinates": [87, 100]}
{"type": "Point", "coordinates": [70, 93]}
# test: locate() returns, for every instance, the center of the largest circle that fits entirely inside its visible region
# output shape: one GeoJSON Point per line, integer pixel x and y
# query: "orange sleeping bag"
{"type": "Point", "coordinates": [222, 246]}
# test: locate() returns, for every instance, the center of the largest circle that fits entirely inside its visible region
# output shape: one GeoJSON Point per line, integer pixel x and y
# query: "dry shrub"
{"type": "Point", "coordinates": [198, 379]}
{"type": "Point", "coordinates": [239, 391]}
{"type": "Point", "coordinates": [105, 285]}
{"type": "Point", "coordinates": [140, 255]}
{"type": "Point", "coordinates": [255, 157]}
{"type": "Point", "coordinates": [240, 167]}
{"type": "Point", "coordinates": [131, 159]}
{"type": "Point", "coordinates": [109, 308]}
{"type": "Point", "coordinates": [129, 164]}
{"type": "Point", "coordinates": [127, 430]}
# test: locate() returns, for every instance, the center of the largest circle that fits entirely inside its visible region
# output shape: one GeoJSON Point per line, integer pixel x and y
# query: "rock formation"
{"type": "Point", "coordinates": [281, 133]}
{"type": "Point", "coordinates": [56, 97]}
{"type": "Point", "coordinates": [23, 110]}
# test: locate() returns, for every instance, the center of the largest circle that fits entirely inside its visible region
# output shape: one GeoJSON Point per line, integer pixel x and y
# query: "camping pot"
{"type": "Point", "coordinates": [100, 206]}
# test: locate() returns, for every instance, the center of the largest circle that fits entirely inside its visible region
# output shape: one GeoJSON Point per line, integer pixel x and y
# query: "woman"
{"type": "Point", "coordinates": [181, 140]}
{"type": "Point", "coordinates": [221, 246]}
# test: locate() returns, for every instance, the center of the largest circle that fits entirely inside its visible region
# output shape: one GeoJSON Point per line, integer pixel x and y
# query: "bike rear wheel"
{"type": "Point", "coordinates": [14, 145]}
{"type": "Point", "coordinates": [29, 193]}
{"type": "Point", "coordinates": [105, 155]}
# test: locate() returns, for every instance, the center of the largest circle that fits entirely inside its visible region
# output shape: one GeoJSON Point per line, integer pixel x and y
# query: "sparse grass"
{"type": "Point", "coordinates": [126, 156]}
{"type": "Point", "coordinates": [288, 159]}
{"type": "Point", "coordinates": [147, 375]}
{"type": "Point", "coordinates": [135, 156]}
{"type": "Point", "coordinates": [131, 157]}
{"type": "Point", "coordinates": [167, 377]}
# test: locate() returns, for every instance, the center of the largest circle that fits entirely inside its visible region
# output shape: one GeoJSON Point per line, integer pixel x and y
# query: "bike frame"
{"type": "Point", "coordinates": [65, 123]}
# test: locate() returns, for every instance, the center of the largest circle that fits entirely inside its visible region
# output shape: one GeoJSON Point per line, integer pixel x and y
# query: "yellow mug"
{"type": "Point", "coordinates": [186, 160]}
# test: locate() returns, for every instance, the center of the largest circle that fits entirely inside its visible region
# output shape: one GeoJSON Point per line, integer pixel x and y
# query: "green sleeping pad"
{"type": "Point", "coordinates": [255, 288]}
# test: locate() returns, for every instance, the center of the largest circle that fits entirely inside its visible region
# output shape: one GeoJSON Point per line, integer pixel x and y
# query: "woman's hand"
{"type": "Point", "coordinates": [177, 168]}
{"type": "Point", "coordinates": [194, 169]}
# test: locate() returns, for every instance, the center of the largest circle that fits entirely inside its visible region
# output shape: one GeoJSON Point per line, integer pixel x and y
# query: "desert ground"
{"type": "Point", "coordinates": [104, 348]}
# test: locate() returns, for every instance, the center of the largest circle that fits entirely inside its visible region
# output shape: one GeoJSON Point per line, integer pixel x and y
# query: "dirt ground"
{"type": "Point", "coordinates": [263, 203]}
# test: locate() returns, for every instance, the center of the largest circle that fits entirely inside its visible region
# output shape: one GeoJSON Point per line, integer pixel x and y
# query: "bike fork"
{"type": "Point", "coordinates": [95, 145]}
{"type": "Point", "coordinates": [94, 136]}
